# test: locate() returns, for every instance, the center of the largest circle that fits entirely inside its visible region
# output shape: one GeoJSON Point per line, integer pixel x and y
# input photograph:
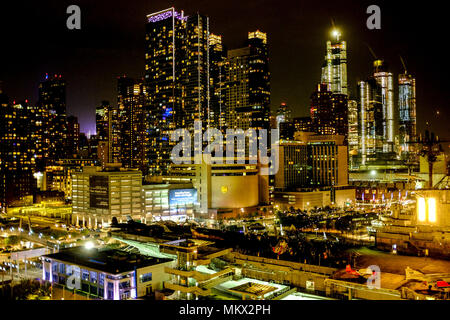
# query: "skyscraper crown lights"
{"type": "Point", "coordinates": [166, 14]}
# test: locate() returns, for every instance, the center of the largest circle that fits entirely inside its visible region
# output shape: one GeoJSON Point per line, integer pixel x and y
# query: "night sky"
{"type": "Point", "coordinates": [35, 40]}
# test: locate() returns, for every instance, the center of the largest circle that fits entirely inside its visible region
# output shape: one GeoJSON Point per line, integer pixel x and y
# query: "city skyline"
{"type": "Point", "coordinates": [289, 83]}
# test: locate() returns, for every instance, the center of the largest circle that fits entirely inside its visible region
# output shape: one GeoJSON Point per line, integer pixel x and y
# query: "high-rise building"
{"type": "Point", "coordinates": [195, 72]}
{"type": "Point", "coordinates": [371, 134]}
{"type": "Point", "coordinates": [165, 65]}
{"type": "Point", "coordinates": [312, 161]}
{"type": "Point", "coordinates": [376, 116]}
{"type": "Point", "coordinates": [102, 114]}
{"type": "Point", "coordinates": [407, 115]}
{"type": "Point", "coordinates": [334, 70]}
{"type": "Point", "coordinates": [178, 79]}
{"type": "Point", "coordinates": [339, 103]}
{"type": "Point", "coordinates": [353, 133]}
{"type": "Point", "coordinates": [17, 150]}
{"type": "Point", "coordinates": [217, 79]}
{"type": "Point", "coordinates": [284, 114]}
{"type": "Point", "coordinates": [329, 112]}
{"type": "Point", "coordinates": [248, 84]}
{"type": "Point", "coordinates": [385, 80]}
{"type": "Point", "coordinates": [321, 110]}
{"type": "Point", "coordinates": [73, 136]}
{"type": "Point", "coordinates": [303, 124]}
{"type": "Point", "coordinates": [52, 98]}
{"type": "Point", "coordinates": [131, 100]}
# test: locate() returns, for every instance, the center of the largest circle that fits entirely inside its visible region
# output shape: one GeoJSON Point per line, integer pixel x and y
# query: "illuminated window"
{"type": "Point", "coordinates": [421, 209]}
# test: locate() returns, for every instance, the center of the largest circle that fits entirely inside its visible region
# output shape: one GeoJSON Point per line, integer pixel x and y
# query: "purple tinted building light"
{"type": "Point", "coordinates": [165, 15]}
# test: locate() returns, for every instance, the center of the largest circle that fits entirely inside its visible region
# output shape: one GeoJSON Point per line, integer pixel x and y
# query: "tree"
{"type": "Point", "coordinates": [430, 148]}
{"type": "Point", "coordinates": [12, 240]}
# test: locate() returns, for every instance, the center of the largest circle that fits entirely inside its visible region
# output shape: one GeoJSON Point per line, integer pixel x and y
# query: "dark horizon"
{"type": "Point", "coordinates": [111, 43]}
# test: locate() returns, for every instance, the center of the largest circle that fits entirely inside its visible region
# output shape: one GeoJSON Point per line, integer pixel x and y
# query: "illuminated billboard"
{"type": "Point", "coordinates": [98, 192]}
{"type": "Point", "coordinates": [182, 196]}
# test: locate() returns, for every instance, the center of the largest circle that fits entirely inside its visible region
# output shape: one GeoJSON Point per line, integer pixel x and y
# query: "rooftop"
{"type": "Point", "coordinates": [111, 261]}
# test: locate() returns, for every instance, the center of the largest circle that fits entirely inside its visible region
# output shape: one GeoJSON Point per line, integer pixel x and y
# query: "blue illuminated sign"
{"type": "Point", "coordinates": [182, 196]}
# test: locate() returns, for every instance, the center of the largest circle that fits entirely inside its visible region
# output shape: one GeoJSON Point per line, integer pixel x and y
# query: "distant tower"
{"type": "Point", "coordinates": [248, 87]}
{"type": "Point", "coordinates": [284, 114]}
{"type": "Point", "coordinates": [334, 70]}
{"type": "Point", "coordinates": [329, 112]}
{"type": "Point", "coordinates": [177, 79]}
{"type": "Point", "coordinates": [130, 100]}
{"type": "Point", "coordinates": [73, 136]}
{"type": "Point", "coordinates": [52, 98]}
{"type": "Point", "coordinates": [407, 115]}
{"type": "Point", "coordinates": [371, 120]}
{"type": "Point", "coordinates": [385, 79]}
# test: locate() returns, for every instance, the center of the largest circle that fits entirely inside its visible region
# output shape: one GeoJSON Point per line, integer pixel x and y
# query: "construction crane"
{"type": "Point", "coordinates": [430, 147]}
{"type": "Point", "coordinates": [403, 63]}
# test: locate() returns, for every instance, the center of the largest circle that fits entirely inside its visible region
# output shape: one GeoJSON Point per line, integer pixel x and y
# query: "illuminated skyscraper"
{"type": "Point", "coordinates": [407, 117]}
{"type": "Point", "coordinates": [385, 80]}
{"type": "Point", "coordinates": [371, 120]}
{"type": "Point", "coordinates": [165, 65]}
{"type": "Point", "coordinates": [217, 78]}
{"type": "Point", "coordinates": [130, 100]}
{"type": "Point", "coordinates": [329, 112]}
{"type": "Point", "coordinates": [177, 79]}
{"type": "Point", "coordinates": [248, 84]}
{"type": "Point", "coordinates": [102, 113]}
{"type": "Point", "coordinates": [52, 98]}
{"type": "Point", "coordinates": [334, 70]}
{"type": "Point", "coordinates": [353, 133]}
{"type": "Point", "coordinates": [195, 73]}
{"type": "Point", "coordinates": [73, 136]}
{"type": "Point", "coordinates": [284, 114]}
{"type": "Point", "coordinates": [17, 150]}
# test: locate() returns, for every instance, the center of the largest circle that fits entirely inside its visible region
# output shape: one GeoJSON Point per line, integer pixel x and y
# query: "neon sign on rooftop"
{"type": "Point", "coordinates": [165, 14]}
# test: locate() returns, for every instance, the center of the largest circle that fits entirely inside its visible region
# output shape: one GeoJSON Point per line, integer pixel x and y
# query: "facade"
{"type": "Point", "coordinates": [307, 200]}
{"type": "Point", "coordinates": [182, 80]}
{"type": "Point", "coordinates": [284, 114]}
{"type": "Point", "coordinates": [371, 122]}
{"type": "Point", "coordinates": [353, 131]}
{"type": "Point", "coordinates": [99, 195]}
{"type": "Point", "coordinates": [165, 201]}
{"type": "Point", "coordinates": [131, 100]}
{"type": "Point", "coordinates": [52, 98]}
{"type": "Point", "coordinates": [222, 186]}
{"type": "Point", "coordinates": [293, 171]}
{"type": "Point", "coordinates": [17, 150]}
{"type": "Point", "coordinates": [248, 84]}
{"type": "Point", "coordinates": [312, 161]}
{"type": "Point", "coordinates": [103, 274]}
{"type": "Point", "coordinates": [329, 112]}
{"type": "Point", "coordinates": [303, 124]}
{"type": "Point", "coordinates": [407, 116]}
{"type": "Point", "coordinates": [384, 79]}
{"type": "Point", "coordinates": [334, 70]}
{"type": "Point", "coordinates": [73, 136]}
{"type": "Point", "coordinates": [217, 78]}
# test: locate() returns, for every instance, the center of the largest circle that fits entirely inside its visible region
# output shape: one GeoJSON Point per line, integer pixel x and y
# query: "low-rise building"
{"type": "Point", "coordinates": [101, 194]}
{"type": "Point", "coordinates": [108, 274]}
